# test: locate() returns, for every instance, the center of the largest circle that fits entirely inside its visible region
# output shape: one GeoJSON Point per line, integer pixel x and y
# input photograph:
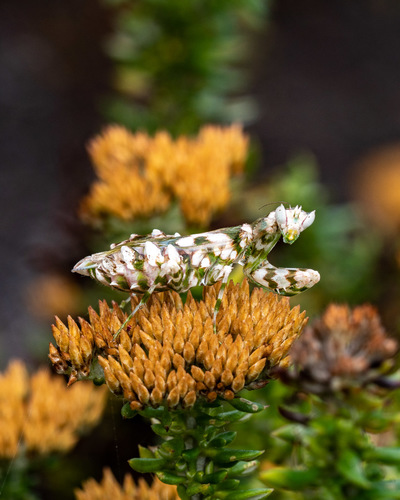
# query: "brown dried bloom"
{"type": "Point", "coordinates": [40, 414]}
{"type": "Point", "coordinates": [169, 353]}
{"type": "Point", "coordinates": [344, 348]}
{"type": "Point", "coordinates": [110, 488]}
{"type": "Point", "coordinates": [138, 175]}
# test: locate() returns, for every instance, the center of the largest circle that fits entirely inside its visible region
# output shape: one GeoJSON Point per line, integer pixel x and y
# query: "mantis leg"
{"type": "Point", "coordinates": [124, 303]}
{"type": "Point", "coordinates": [226, 273]}
{"type": "Point", "coordinates": [283, 281]}
{"type": "Point", "coordinates": [142, 302]}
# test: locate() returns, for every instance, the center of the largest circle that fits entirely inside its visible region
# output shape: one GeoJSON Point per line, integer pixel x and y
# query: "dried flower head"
{"type": "Point", "coordinates": [169, 353]}
{"type": "Point", "coordinates": [344, 348]}
{"type": "Point", "coordinates": [110, 488]}
{"type": "Point", "coordinates": [138, 175]}
{"type": "Point", "coordinates": [40, 414]}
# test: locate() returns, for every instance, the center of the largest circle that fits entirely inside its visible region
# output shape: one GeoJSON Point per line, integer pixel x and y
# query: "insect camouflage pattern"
{"type": "Point", "coordinates": [158, 262]}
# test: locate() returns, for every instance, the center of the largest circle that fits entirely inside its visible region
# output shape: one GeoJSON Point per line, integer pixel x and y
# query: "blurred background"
{"type": "Point", "coordinates": [314, 84]}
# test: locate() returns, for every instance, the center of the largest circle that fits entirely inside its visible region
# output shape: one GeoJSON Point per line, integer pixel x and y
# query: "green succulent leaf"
{"type": "Point", "coordinates": [191, 455]}
{"type": "Point", "coordinates": [291, 433]}
{"type": "Point", "coordinates": [251, 494]}
{"type": "Point", "coordinates": [161, 430]}
{"type": "Point", "coordinates": [228, 485]}
{"type": "Point", "coordinates": [147, 464]}
{"type": "Point", "coordinates": [384, 490]}
{"type": "Point", "coordinates": [247, 406]}
{"type": "Point", "coordinates": [182, 492]}
{"type": "Point", "coordinates": [172, 448]}
{"type": "Point", "coordinates": [232, 416]}
{"type": "Point", "coordinates": [229, 456]}
{"type": "Point", "coordinates": [350, 467]}
{"type": "Point", "coordinates": [127, 412]}
{"type": "Point", "coordinates": [176, 428]}
{"type": "Point", "coordinates": [290, 479]}
{"type": "Point", "coordinates": [242, 468]}
{"type": "Point", "coordinates": [169, 478]}
{"type": "Point", "coordinates": [145, 452]}
{"type": "Point", "coordinates": [386, 455]}
{"type": "Point", "coordinates": [214, 477]}
{"type": "Point", "coordinates": [181, 465]}
{"type": "Point", "coordinates": [197, 488]}
{"type": "Point", "coordinates": [213, 410]}
{"type": "Point", "coordinates": [158, 413]}
{"type": "Point", "coordinates": [222, 439]}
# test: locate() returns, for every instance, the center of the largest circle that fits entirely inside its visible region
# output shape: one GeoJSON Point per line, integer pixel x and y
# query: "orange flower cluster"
{"type": "Point", "coordinates": [342, 349]}
{"type": "Point", "coordinates": [40, 415]}
{"type": "Point", "coordinates": [138, 175]}
{"type": "Point", "coordinates": [110, 488]}
{"type": "Point", "coordinates": [376, 187]}
{"type": "Point", "coordinates": [58, 295]}
{"type": "Point", "coordinates": [169, 353]}
{"type": "Point", "coordinates": [14, 384]}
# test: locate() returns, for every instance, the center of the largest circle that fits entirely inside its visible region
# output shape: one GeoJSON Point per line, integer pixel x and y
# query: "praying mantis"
{"type": "Point", "coordinates": [158, 262]}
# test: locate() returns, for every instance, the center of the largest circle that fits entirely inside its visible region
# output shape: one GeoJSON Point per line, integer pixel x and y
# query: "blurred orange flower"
{"type": "Point", "coordinates": [41, 415]}
{"type": "Point", "coordinates": [139, 175]}
{"type": "Point", "coordinates": [109, 488]}
{"type": "Point", "coordinates": [376, 186]}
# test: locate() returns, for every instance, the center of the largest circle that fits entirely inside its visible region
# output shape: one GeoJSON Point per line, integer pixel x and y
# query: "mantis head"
{"type": "Point", "coordinates": [292, 221]}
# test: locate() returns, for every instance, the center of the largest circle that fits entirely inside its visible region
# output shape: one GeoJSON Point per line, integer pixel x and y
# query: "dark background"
{"type": "Point", "coordinates": [52, 74]}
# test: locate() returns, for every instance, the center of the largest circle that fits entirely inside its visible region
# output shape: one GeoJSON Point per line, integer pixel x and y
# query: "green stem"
{"type": "Point", "coordinates": [195, 455]}
{"type": "Point", "coordinates": [191, 425]}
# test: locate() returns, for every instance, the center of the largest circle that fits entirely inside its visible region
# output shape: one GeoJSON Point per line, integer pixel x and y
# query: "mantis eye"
{"type": "Point", "coordinates": [280, 214]}
{"type": "Point", "coordinates": [308, 220]}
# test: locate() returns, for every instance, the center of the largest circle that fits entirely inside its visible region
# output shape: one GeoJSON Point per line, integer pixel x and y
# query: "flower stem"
{"type": "Point", "coordinates": [194, 454]}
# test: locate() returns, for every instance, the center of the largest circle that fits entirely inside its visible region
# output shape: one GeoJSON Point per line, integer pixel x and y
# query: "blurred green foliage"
{"type": "Point", "coordinates": [180, 64]}
{"type": "Point", "coordinates": [331, 455]}
{"type": "Point", "coordinates": [17, 482]}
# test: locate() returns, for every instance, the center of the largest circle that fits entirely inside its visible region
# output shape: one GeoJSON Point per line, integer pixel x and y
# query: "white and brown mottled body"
{"type": "Point", "coordinates": [159, 262]}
